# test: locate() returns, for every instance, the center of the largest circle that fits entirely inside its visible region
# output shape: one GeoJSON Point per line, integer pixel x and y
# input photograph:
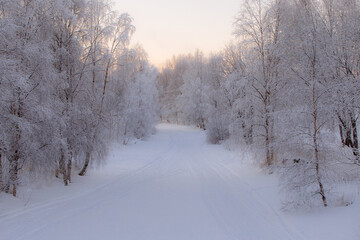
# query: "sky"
{"type": "Point", "coordinates": [172, 27]}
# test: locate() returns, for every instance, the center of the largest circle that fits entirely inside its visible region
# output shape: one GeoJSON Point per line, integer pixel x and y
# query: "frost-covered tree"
{"type": "Point", "coordinates": [26, 79]}
{"type": "Point", "coordinates": [258, 26]}
{"type": "Point", "coordinates": [105, 28]}
{"type": "Point", "coordinates": [287, 88]}
{"type": "Point", "coordinates": [57, 61]}
{"type": "Point", "coordinates": [170, 81]}
{"type": "Point", "coordinates": [135, 95]}
{"type": "Point", "coordinates": [193, 98]}
{"type": "Point", "coordinates": [67, 52]}
{"type": "Point", "coordinates": [184, 91]}
{"type": "Point", "coordinates": [342, 21]}
{"type": "Point", "coordinates": [311, 84]}
{"type": "Point", "coordinates": [218, 106]}
{"type": "Point", "coordinates": [310, 107]}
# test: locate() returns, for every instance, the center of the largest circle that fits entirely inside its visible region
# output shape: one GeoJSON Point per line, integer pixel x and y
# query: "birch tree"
{"type": "Point", "coordinates": [25, 81]}
{"type": "Point", "coordinates": [117, 33]}
{"type": "Point", "coordinates": [257, 26]}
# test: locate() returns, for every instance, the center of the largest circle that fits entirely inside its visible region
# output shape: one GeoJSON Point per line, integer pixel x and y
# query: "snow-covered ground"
{"type": "Point", "coordinates": [172, 186]}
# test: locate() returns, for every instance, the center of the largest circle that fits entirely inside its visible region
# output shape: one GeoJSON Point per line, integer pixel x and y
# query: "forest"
{"type": "Point", "coordinates": [70, 85]}
{"type": "Point", "coordinates": [287, 90]}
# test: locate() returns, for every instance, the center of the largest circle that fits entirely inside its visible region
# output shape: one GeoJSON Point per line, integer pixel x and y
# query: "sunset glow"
{"type": "Point", "coordinates": [167, 28]}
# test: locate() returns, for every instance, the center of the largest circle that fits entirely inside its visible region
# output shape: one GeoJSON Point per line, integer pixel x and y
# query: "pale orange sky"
{"type": "Point", "coordinates": [171, 27]}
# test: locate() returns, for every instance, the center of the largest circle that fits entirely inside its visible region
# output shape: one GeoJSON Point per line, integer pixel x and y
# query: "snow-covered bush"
{"type": "Point", "coordinates": [217, 129]}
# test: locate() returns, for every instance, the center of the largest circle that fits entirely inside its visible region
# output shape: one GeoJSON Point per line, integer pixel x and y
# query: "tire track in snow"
{"type": "Point", "coordinates": [291, 230]}
{"type": "Point", "coordinates": [208, 190]}
{"type": "Point", "coordinates": [81, 197]}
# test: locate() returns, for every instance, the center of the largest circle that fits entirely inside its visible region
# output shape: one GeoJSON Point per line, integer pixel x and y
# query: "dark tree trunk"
{"type": "Point", "coordinates": [1, 171]}
{"type": "Point", "coordinates": [61, 168]}
{"type": "Point", "coordinates": [88, 154]}
{"type": "Point", "coordinates": [86, 164]}
{"type": "Point", "coordinates": [355, 139]}
{"type": "Point", "coordinates": [349, 136]}
{"type": "Point", "coordinates": [14, 167]}
{"type": "Point", "coordinates": [268, 148]}
{"type": "Point", "coordinates": [16, 110]}
{"type": "Point", "coordinates": [317, 159]}
{"type": "Point", "coordinates": [345, 132]}
{"type": "Point", "coordinates": [315, 142]}
{"type": "Point", "coordinates": [348, 140]}
{"type": "Point", "coordinates": [341, 135]}
{"type": "Point", "coordinates": [14, 171]}
{"type": "Point", "coordinates": [69, 167]}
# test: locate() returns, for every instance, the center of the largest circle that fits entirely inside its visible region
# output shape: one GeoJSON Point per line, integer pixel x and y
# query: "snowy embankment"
{"type": "Point", "coordinates": [172, 186]}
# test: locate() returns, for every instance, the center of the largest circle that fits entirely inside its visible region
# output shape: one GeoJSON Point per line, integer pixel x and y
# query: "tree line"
{"type": "Point", "coordinates": [288, 89]}
{"type": "Point", "coordinates": [69, 86]}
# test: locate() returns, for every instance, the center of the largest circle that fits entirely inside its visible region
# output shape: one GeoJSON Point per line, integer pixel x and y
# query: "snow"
{"type": "Point", "coordinates": [171, 186]}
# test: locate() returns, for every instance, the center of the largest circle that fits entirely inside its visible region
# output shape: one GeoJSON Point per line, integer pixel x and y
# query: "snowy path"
{"type": "Point", "coordinates": [174, 186]}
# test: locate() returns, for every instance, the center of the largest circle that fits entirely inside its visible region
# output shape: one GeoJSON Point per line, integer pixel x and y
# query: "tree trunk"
{"type": "Point", "coordinates": [1, 171]}
{"type": "Point", "coordinates": [349, 136]}
{"type": "Point", "coordinates": [345, 132]}
{"type": "Point", "coordinates": [69, 163]}
{"type": "Point", "coordinates": [88, 153]}
{"type": "Point", "coordinates": [16, 110]}
{"type": "Point", "coordinates": [267, 146]}
{"type": "Point", "coordinates": [317, 167]}
{"type": "Point", "coordinates": [341, 135]}
{"type": "Point", "coordinates": [61, 168]}
{"type": "Point", "coordinates": [355, 139]}
{"type": "Point", "coordinates": [269, 152]}
{"type": "Point", "coordinates": [345, 135]}
{"type": "Point", "coordinates": [316, 148]}
{"type": "Point", "coordinates": [93, 126]}
{"type": "Point", "coordinates": [69, 167]}
{"type": "Point", "coordinates": [86, 164]}
{"type": "Point", "coordinates": [13, 172]}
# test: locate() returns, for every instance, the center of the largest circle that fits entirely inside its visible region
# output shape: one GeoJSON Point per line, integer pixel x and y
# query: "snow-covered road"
{"type": "Point", "coordinates": [173, 186]}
